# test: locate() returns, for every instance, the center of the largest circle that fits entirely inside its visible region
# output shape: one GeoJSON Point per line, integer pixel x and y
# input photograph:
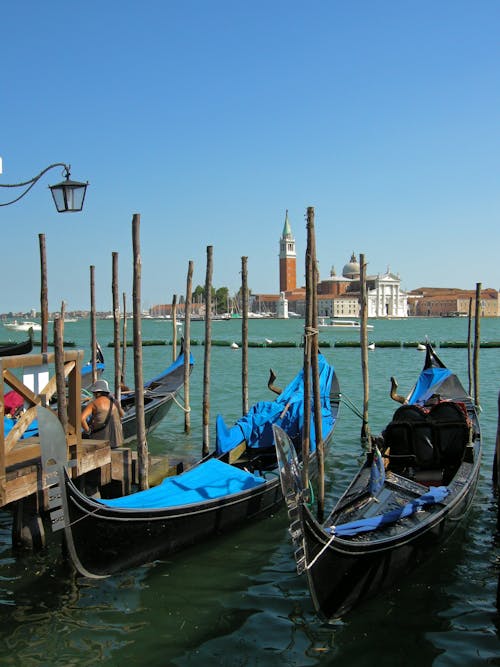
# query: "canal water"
{"type": "Point", "coordinates": [237, 600]}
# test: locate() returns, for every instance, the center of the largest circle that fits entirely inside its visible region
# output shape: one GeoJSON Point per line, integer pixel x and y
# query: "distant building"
{"type": "Point", "coordinates": [451, 302]}
{"type": "Point", "coordinates": [288, 259]}
{"type": "Point", "coordinates": [338, 296]}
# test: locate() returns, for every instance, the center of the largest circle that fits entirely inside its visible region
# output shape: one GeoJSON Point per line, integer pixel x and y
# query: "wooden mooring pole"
{"type": "Point", "coordinates": [93, 335]}
{"type": "Point", "coordinates": [318, 427]}
{"type": "Point", "coordinates": [477, 342]}
{"type": "Point", "coordinates": [142, 445]}
{"type": "Point", "coordinates": [124, 338]}
{"type": "Point", "coordinates": [44, 300]}
{"type": "Point", "coordinates": [208, 347]}
{"type": "Point", "coordinates": [496, 464]}
{"type": "Point", "coordinates": [62, 408]}
{"type": "Point", "coordinates": [365, 430]}
{"type": "Point", "coordinates": [116, 325]}
{"type": "Point", "coordinates": [174, 327]}
{"type": "Point", "coordinates": [306, 427]}
{"type": "Point", "coordinates": [469, 347]}
{"type": "Point", "coordinates": [187, 346]}
{"type": "Point", "coordinates": [244, 335]}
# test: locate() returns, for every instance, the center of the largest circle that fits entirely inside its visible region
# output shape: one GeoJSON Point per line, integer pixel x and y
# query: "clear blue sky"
{"type": "Point", "coordinates": [211, 118]}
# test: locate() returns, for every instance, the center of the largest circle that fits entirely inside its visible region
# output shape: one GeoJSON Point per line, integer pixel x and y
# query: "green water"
{"type": "Point", "coordinates": [237, 600]}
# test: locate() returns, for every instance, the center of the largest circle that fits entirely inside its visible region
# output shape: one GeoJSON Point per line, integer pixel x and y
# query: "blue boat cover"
{"type": "Point", "coordinates": [8, 425]}
{"type": "Point", "coordinates": [435, 495]}
{"type": "Point", "coordinates": [427, 383]}
{"type": "Point", "coordinates": [207, 481]}
{"type": "Point", "coordinates": [287, 411]}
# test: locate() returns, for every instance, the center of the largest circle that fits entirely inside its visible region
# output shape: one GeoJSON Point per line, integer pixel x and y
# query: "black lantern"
{"type": "Point", "coordinates": [68, 195]}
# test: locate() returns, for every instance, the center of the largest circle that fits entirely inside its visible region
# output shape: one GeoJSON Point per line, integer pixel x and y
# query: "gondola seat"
{"type": "Point", "coordinates": [409, 438]}
{"type": "Point", "coordinates": [427, 439]}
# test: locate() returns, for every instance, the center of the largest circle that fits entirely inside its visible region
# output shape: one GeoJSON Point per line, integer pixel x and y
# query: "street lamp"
{"type": "Point", "coordinates": [68, 195]}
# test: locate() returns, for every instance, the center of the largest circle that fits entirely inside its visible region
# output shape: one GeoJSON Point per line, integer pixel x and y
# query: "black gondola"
{"type": "Point", "coordinates": [11, 349]}
{"type": "Point", "coordinates": [159, 394]}
{"type": "Point", "coordinates": [416, 484]}
{"type": "Point", "coordinates": [237, 483]}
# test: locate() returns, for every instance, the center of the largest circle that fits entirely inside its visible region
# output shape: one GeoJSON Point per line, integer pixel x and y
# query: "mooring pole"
{"type": "Point", "coordinates": [62, 408]}
{"type": "Point", "coordinates": [365, 429]}
{"type": "Point", "coordinates": [244, 335]}
{"type": "Point", "coordinates": [44, 301]}
{"type": "Point", "coordinates": [306, 427]}
{"type": "Point", "coordinates": [318, 426]}
{"type": "Point", "coordinates": [116, 325]}
{"type": "Point", "coordinates": [496, 463]}
{"type": "Point", "coordinates": [469, 347]}
{"type": "Point", "coordinates": [142, 445]}
{"type": "Point", "coordinates": [124, 339]}
{"type": "Point", "coordinates": [208, 344]}
{"type": "Point", "coordinates": [187, 346]}
{"type": "Point", "coordinates": [477, 343]}
{"type": "Point", "coordinates": [93, 334]}
{"type": "Point", "coordinates": [174, 327]}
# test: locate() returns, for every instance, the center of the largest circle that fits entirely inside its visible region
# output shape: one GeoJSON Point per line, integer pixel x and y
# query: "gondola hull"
{"type": "Point", "coordinates": [222, 492]}
{"type": "Point", "coordinates": [159, 394]}
{"type": "Point", "coordinates": [346, 573]}
{"type": "Point", "coordinates": [397, 510]}
{"type": "Point", "coordinates": [108, 541]}
{"type": "Point", "coordinates": [12, 349]}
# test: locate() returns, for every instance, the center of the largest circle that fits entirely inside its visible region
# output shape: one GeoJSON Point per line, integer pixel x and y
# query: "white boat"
{"type": "Point", "coordinates": [22, 326]}
{"type": "Point", "coordinates": [331, 323]}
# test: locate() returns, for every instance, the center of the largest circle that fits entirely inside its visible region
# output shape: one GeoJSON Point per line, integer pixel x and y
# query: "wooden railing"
{"type": "Point", "coordinates": [14, 451]}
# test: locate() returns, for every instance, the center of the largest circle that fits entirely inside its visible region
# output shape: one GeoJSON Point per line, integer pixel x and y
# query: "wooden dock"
{"type": "Point", "coordinates": [23, 487]}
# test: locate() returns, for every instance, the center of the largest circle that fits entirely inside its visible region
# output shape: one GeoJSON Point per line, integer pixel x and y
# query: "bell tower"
{"type": "Point", "coordinates": [288, 259]}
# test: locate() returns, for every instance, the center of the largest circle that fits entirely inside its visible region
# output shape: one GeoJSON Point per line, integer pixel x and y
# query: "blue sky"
{"type": "Point", "coordinates": [210, 119]}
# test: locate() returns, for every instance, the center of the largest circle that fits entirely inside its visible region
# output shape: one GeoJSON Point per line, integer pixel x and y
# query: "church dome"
{"type": "Point", "coordinates": [351, 270]}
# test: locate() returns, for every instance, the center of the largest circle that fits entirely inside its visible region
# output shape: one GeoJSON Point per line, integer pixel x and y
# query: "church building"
{"type": "Point", "coordinates": [338, 296]}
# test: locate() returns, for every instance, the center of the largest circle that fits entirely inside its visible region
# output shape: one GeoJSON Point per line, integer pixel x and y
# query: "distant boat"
{"type": "Point", "coordinates": [11, 349]}
{"type": "Point", "coordinates": [268, 341]}
{"type": "Point", "coordinates": [22, 326]}
{"type": "Point", "coordinates": [234, 346]}
{"type": "Point", "coordinates": [371, 346]}
{"type": "Point", "coordinates": [331, 323]}
{"type": "Point", "coordinates": [421, 347]}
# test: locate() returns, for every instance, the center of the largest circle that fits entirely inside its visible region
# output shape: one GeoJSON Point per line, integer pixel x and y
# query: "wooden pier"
{"type": "Point", "coordinates": [23, 488]}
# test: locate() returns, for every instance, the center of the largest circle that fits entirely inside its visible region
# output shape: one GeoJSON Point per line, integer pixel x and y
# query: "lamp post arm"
{"type": "Point", "coordinates": [31, 182]}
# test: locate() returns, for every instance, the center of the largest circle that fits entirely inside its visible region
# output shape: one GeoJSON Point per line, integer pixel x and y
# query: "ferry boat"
{"type": "Point", "coordinates": [331, 323]}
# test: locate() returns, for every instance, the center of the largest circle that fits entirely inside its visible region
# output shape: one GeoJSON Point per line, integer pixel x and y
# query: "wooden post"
{"type": "Point", "coordinates": [306, 427]}
{"type": "Point", "coordinates": [142, 445]}
{"type": "Point", "coordinates": [477, 343]}
{"type": "Point", "coordinates": [44, 301]}
{"type": "Point", "coordinates": [187, 346]}
{"type": "Point", "coordinates": [62, 409]}
{"type": "Point", "coordinates": [244, 335]}
{"type": "Point", "coordinates": [496, 463]}
{"type": "Point", "coordinates": [469, 347]}
{"type": "Point", "coordinates": [208, 344]}
{"type": "Point", "coordinates": [116, 326]}
{"type": "Point", "coordinates": [174, 327]}
{"type": "Point", "coordinates": [124, 339]}
{"type": "Point", "coordinates": [93, 342]}
{"type": "Point", "coordinates": [365, 429]}
{"type": "Point", "coordinates": [318, 426]}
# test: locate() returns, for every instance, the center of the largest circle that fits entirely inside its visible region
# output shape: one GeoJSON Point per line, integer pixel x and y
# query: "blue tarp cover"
{"type": "Point", "coordinates": [8, 425]}
{"type": "Point", "coordinates": [210, 480]}
{"type": "Point", "coordinates": [435, 495]}
{"type": "Point", "coordinates": [427, 383]}
{"type": "Point", "coordinates": [286, 411]}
